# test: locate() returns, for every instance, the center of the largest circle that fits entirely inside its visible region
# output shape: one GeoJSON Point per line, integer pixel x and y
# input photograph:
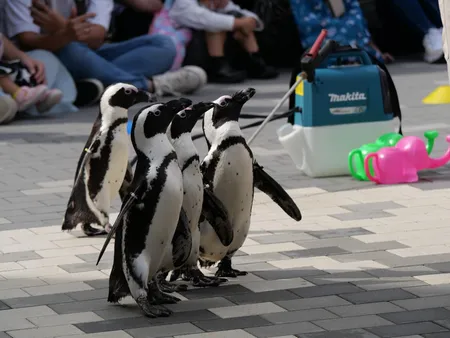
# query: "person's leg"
{"type": "Point", "coordinates": [24, 96]}
{"type": "Point", "coordinates": [220, 70]}
{"type": "Point", "coordinates": [431, 8]}
{"type": "Point", "coordinates": [8, 108]}
{"type": "Point", "coordinates": [84, 63]}
{"type": "Point", "coordinates": [59, 81]}
{"type": "Point", "coordinates": [146, 55]}
{"type": "Point", "coordinates": [415, 15]}
{"type": "Point", "coordinates": [254, 63]}
{"type": "Point", "coordinates": [153, 56]}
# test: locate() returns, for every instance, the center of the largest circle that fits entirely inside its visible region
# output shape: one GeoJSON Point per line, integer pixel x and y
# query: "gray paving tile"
{"type": "Point", "coordinates": [358, 322]}
{"type": "Point", "coordinates": [326, 290]}
{"type": "Point", "coordinates": [429, 290]}
{"type": "Point", "coordinates": [352, 245]}
{"type": "Point", "coordinates": [98, 284]}
{"type": "Point", "coordinates": [281, 238]}
{"type": "Point", "coordinates": [364, 309]}
{"type": "Point", "coordinates": [4, 335]}
{"type": "Point", "coordinates": [223, 290]}
{"type": "Point", "coordinates": [326, 251]}
{"type": "Point", "coordinates": [283, 329]}
{"type": "Point", "coordinates": [89, 294]}
{"type": "Point", "coordinates": [267, 296]}
{"type": "Point", "coordinates": [424, 303]}
{"type": "Point", "coordinates": [417, 315]}
{"type": "Point", "coordinates": [335, 233]}
{"type": "Point", "coordinates": [298, 316]}
{"type": "Point", "coordinates": [445, 322]}
{"type": "Point", "coordinates": [373, 206]}
{"type": "Point", "coordinates": [38, 300]}
{"type": "Point", "coordinates": [362, 256]}
{"type": "Point", "coordinates": [92, 258]}
{"type": "Point", "coordinates": [81, 306]}
{"type": "Point", "coordinates": [3, 306]}
{"type": "Point", "coordinates": [441, 267]}
{"type": "Point", "coordinates": [339, 277]}
{"type": "Point", "coordinates": [232, 323]}
{"type": "Point", "coordinates": [406, 329]}
{"type": "Point", "coordinates": [377, 296]}
{"type": "Point", "coordinates": [436, 335]}
{"type": "Point", "coordinates": [287, 273]}
{"type": "Point", "coordinates": [83, 267]}
{"type": "Point", "coordinates": [312, 303]}
{"type": "Point", "coordinates": [114, 325]}
{"type": "Point", "coordinates": [164, 331]}
{"type": "Point", "coordinates": [118, 312]}
{"type": "Point", "coordinates": [199, 304]}
{"type": "Point", "coordinates": [407, 271]}
{"type": "Point", "coordinates": [389, 283]}
{"type": "Point", "coordinates": [354, 333]}
{"type": "Point", "coordinates": [19, 256]}
{"type": "Point", "coordinates": [353, 216]}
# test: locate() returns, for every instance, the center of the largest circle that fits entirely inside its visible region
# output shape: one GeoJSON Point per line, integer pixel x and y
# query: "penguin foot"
{"type": "Point", "coordinates": [89, 230]}
{"type": "Point", "coordinates": [225, 269]}
{"type": "Point", "coordinates": [151, 310]}
{"type": "Point", "coordinates": [158, 298]}
{"type": "Point", "coordinates": [198, 279]}
{"type": "Point", "coordinates": [168, 287]}
{"type": "Point", "coordinates": [175, 275]}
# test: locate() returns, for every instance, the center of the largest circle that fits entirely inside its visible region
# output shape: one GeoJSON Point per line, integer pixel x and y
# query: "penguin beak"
{"type": "Point", "coordinates": [201, 108]}
{"type": "Point", "coordinates": [143, 96]}
{"type": "Point", "coordinates": [244, 95]}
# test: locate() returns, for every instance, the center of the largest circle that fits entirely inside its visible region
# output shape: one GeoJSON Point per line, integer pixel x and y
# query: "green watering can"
{"type": "Point", "coordinates": [356, 156]}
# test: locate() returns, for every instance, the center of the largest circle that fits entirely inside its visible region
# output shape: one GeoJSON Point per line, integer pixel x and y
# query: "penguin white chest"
{"type": "Point", "coordinates": [233, 185]}
{"type": "Point", "coordinates": [193, 194]}
{"type": "Point", "coordinates": [118, 163]}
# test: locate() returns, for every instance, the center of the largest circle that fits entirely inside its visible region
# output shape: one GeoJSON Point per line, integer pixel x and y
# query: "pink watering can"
{"type": "Point", "coordinates": [401, 163]}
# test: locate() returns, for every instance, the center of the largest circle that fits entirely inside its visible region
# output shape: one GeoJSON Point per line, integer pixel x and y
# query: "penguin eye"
{"type": "Point", "coordinates": [157, 113]}
{"type": "Point", "coordinates": [128, 91]}
{"type": "Point", "coordinates": [183, 114]}
{"type": "Point", "coordinates": [223, 103]}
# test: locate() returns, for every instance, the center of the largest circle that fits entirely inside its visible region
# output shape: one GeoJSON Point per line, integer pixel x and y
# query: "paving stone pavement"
{"type": "Point", "coordinates": [364, 262]}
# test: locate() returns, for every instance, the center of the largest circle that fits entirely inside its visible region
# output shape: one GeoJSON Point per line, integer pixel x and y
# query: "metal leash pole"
{"type": "Point", "coordinates": [279, 104]}
{"type": "Point", "coordinates": [311, 55]}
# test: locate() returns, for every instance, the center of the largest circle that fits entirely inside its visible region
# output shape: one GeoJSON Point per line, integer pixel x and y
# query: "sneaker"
{"type": "Point", "coordinates": [8, 109]}
{"type": "Point", "coordinates": [432, 43]}
{"type": "Point", "coordinates": [27, 97]}
{"type": "Point", "coordinates": [185, 80]}
{"type": "Point", "coordinates": [51, 98]}
{"type": "Point", "coordinates": [89, 92]}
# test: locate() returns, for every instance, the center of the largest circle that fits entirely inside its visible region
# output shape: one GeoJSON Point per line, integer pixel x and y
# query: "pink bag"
{"type": "Point", "coordinates": [164, 25]}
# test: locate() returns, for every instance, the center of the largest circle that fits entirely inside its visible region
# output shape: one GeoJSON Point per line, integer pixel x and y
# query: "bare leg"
{"type": "Point", "coordinates": [215, 42]}
{"type": "Point", "coordinates": [8, 85]}
{"type": "Point", "coordinates": [247, 41]}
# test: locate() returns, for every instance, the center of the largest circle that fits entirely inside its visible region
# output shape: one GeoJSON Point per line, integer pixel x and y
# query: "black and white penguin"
{"type": "Point", "coordinates": [103, 162]}
{"type": "Point", "coordinates": [179, 133]}
{"type": "Point", "coordinates": [232, 173]}
{"type": "Point", "coordinates": [150, 214]}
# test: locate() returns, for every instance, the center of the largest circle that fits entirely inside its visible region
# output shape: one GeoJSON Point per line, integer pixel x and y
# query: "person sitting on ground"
{"type": "Point", "coordinates": [23, 79]}
{"type": "Point", "coordinates": [26, 86]}
{"type": "Point", "coordinates": [423, 16]}
{"type": "Point", "coordinates": [217, 18]}
{"type": "Point", "coordinates": [78, 39]}
{"type": "Point", "coordinates": [343, 19]}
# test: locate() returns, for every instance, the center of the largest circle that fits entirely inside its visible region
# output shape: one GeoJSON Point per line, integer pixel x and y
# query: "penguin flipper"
{"type": "Point", "coordinates": [217, 216]}
{"type": "Point", "coordinates": [130, 200]}
{"type": "Point", "coordinates": [118, 285]}
{"type": "Point", "coordinates": [123, 191]}
{"type": "Point", "coordinates": [181, 241]}
{"type": "Point", "coordinates": [275, 191]}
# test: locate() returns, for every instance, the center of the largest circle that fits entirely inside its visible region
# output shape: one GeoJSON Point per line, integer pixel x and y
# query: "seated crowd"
{"type": "Point", "coordinates": [57, 55]}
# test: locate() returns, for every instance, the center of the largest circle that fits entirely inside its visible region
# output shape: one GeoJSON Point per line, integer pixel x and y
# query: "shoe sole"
{"type": "Point", "coordinates": [95, 85]}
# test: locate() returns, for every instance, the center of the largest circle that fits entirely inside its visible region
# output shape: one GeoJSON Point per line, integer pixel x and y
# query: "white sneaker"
{"type": "Point", "coordinates": [8, 109]}
{"type": "Point", "coordinates": [432, 42]}
{"type": "Point", "coordinates": [51, 98]}
{"type": "Point", "coordinates": [185, 80]}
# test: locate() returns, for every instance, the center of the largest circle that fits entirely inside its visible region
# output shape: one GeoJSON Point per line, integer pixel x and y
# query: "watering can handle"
{"type": "Point", "coordinates": [375, 165]}
{"type": "Point", "coordinates": [351, 166]}
{"type": "Point", "coordinates": [309, 61]}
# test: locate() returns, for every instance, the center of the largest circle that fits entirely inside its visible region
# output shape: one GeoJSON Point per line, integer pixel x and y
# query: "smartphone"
{"type": "Point", "coordinates": [337, 7]}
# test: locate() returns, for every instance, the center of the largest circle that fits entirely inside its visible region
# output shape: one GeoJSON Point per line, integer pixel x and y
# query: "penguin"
{"type": "Point", "coordinates": [103, 162]}
{"type": "Point", "coordinates": [194, 202]}
{"type": "Point", "coordinates": [150, 214]}
{"type": "Point", "coordinates": [232, 173]}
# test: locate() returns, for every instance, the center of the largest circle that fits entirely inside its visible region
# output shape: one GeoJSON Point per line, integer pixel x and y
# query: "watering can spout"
{"type": "Point", "coordinates": [292, 140]}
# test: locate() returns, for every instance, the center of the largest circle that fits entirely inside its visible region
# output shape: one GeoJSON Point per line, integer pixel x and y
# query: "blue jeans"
{"type": "Point", "coordinates": [420, 14]}
{"type": "Point", "coordinates": [57, 77]}
{"type": "Point", "coordinates": [133, 61]}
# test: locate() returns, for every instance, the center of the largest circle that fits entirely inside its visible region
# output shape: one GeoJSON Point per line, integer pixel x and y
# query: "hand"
{"type": "Point", "coordinates": [78, 29]}
{"type": "Point", "coordinates": [46, 18]}
{"type": "Point", "coordinates": [35, 67]}
{"type": "Point", "coordinates": [246, 24]}
{"type": "Point", "coordinates": [219, 4]}
{"type": "Point", "coordinates": [387, 58]}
